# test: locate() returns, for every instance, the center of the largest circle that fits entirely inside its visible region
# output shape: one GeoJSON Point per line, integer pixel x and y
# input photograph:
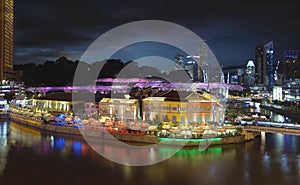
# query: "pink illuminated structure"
{"type": "Point", "coordinates": [123, 85]}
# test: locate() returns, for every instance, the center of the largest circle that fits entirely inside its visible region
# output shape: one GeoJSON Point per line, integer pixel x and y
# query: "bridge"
{"type": "Point", "coordinates": [277, 130]}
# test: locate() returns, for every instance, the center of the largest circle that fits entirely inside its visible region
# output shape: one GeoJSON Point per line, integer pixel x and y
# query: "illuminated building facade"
{"type": "Point", "coordinates": [277, 93]}
{"type": "Point", "coordinates": [164, 106]}
{"type": "Point", "coordinates": [234, 75]}
{"type": "Point", "coordinates": [188, 108]}
{"type": "Point", "coordinates": [264, 62]}
{"type": "Point", "coordinates": [292, 65]}
{"type": "Point", "coordinates": [174, 111]}
{"type": "Point", "coordinates": [17, 89]}
{"type": "Point", "coordinates": [6, 39]}
{"type": "Point", "coordinates": [124, 109]}
{"type": "Point", "coordinates": [192, 64]}
{"type": "Point", "coordinates": [191, 67]}
{"type": "Point", "coordinates": [53, 102]}
{"type": "Point", "coordinates": [179, 61]}
{"type": "Point", "coordinates": [249, 76]}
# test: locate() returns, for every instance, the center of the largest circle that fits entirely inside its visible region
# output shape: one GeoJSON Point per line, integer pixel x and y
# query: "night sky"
{"type": "Point", "coordinates": [48, 29]}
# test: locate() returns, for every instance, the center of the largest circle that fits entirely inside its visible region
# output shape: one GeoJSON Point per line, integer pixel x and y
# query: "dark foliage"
{"type": "Point", "coordinates": [61, 72]}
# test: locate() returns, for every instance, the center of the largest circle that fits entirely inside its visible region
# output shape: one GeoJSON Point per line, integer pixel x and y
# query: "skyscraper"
{"type": "Point", "coordinates": [203, 61]}
{"type": "Point", "coordinates": [292, 65]}
{"type": "Point", "coordinates": [179, 61]}
{"type": "Point", "coordinates": [6, 39]}
{"type": "Point", "coordinates": [264, 59]}
{"type": "Point", "coordinates": [249, 76]}
{"type": "Point", "coordinates": [189, 65]}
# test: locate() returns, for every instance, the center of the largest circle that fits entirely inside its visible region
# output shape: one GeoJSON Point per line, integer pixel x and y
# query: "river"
{"type": "Point", "coordinates": [30, 157]}
{"type": "Point", "coordinates": [275, 117]}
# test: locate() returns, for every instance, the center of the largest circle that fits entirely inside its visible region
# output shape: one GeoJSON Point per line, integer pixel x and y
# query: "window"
{"type": "Point", "coordinates": [173, 119]}
{"type": "Point", "coordinates": [165, 118]}
{"type": "Point", "coordinates": [174, 108]}
{"type": "Point", "coordinates": [128, 111]}
{"type": "Point", "coordinates": [190, 119]}
{"type": "Point", "coordinates": [165, 108]}
{"type": "Point", "coordinates": [207, 119]}
{"type": "Point", "coordinates": [182, 119]}
{"type": "Point", "coordinates": [181, 109]}
{"type": "Point", "coordinates": [200, 119]}
{"type": "Point", "coordinates": [147, 108]}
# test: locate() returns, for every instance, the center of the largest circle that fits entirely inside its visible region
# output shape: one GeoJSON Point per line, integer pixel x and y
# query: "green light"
{"type": "Point", "coordinates": [190, 140]}
{"type": "Point", "coordinates": [192, 152]}
{"type": "Point", "coordinates": [217, 150]}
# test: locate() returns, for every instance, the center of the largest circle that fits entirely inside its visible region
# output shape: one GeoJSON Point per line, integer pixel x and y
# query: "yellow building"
{"type": "Point", "coordinates": [124, 109]}
{"type": "Point", "coordinates": [53, 102]}
{"type": "Point", "coordinates": [185, 108]}
{"type": "Point", "coordinates": [171, 106]}
{"type": "Point", "coordinates": [6, 39]}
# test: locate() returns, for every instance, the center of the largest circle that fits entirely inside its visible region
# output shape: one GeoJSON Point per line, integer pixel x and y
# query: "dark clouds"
{"type": "Point", "coordinates": [48, 29]}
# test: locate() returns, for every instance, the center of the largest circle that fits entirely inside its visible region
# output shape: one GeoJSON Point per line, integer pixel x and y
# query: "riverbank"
{"type": "Point", "coordinates": [286, 112]}
{"type": "Point", "coordinates": [103, 133]}
{"type": "Point", "coordinates": [4, 115]}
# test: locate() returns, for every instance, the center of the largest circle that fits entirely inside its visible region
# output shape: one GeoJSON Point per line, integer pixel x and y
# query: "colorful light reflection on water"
{"type": "Point", "coordinates": [47, 158]}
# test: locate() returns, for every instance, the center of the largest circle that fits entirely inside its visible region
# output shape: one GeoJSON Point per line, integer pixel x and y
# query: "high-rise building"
{"type": "Point", "coordinates": [6, 39]}
{"type": "Point", "coordinates": [234, 75]}
{"type": "Point", "coordinates": [179, 61]}
{"type": "Point", "coordinates": [292, 65]}
{"type": "Point", "coordinates": [264, 62]}
{"type": "Point", "coordinates": [249, 76]}
{"type": "Point", "coordinates": [203, 62]}
{"type": "Point", "coordinates": [189, 65]}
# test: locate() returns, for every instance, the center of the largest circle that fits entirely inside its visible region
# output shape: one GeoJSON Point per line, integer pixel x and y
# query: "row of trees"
{"type": "Point", "coordinates": [61, 72]}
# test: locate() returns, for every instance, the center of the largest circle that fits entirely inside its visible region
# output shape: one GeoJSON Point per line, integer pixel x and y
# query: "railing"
{"type": "Point", "coordinates": [288, 131]}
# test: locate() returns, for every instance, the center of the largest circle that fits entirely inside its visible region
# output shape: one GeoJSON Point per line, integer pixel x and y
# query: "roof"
{"type": "Point", "coordinates": [182, 96]}
{"type": "Point", "coordinates": [69, 97]}
{"type": "Point", "coordinates": [250, 63]}
{"type": "Point", "coordinates": [59, 96]}
{"type": "Point", "coordinates": [197, 97]}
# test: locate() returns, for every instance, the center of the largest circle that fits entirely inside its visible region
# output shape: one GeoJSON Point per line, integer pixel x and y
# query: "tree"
{"type": "Point", "coordinates": [9, 96]}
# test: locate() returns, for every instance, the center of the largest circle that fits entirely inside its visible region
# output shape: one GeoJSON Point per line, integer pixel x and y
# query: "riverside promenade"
{"type": "Point", "coordinates": [103, 133]}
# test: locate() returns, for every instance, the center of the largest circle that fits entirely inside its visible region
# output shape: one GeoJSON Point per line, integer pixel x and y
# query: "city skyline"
{"type": "Point", "coordinates": [46, 30]}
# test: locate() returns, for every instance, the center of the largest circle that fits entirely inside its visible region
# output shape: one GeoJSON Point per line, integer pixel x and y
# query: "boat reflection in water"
{"type": "Point", "coordinates": [46, 158]}
{"type": "Point", "coordinates": [45, 144]}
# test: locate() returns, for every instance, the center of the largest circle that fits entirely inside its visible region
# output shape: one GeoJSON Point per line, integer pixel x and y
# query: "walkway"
{"type": "Point", "coordinates": [288, 131]}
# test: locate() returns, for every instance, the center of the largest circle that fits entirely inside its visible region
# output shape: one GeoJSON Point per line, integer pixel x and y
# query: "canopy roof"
{"type": "Point", "coordinates": [125, 84]}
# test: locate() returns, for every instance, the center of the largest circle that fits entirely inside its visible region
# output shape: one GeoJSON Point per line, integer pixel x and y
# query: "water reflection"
{"type": "Point", "coordinates": [4, 148]}
{"type": "Point", "coordinates": [276, 117]}
{"type": "Point", "coordinates": [36, 156]}
{"type": "Point", "coordinates": [282, 156]}
{"type": "Point", "coordinates": [77, 146]}
{"type": "Point", "coordinates": [44, 143]}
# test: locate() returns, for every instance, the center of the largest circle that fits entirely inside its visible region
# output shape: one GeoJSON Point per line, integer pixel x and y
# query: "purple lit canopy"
{"type": "Point", "coordinates": [123, 85]}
